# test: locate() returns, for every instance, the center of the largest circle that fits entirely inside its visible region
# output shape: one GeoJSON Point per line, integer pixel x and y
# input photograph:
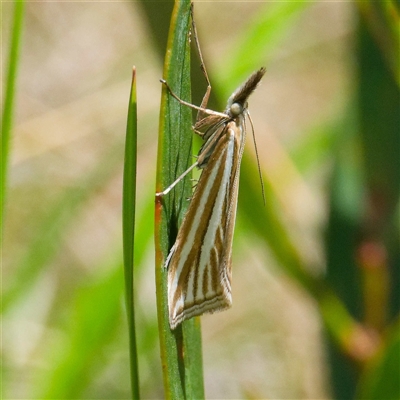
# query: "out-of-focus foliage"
{"type": "Point", "coordinates": [315, 272]}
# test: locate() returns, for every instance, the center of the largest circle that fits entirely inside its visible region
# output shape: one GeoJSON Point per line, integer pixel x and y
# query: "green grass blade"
{"type": "Point", "coordinates": [181, 348]}
{"type": "Point", "coordinates": [8, 109]}
{"type": "Point", "coordinates": [128, 231]}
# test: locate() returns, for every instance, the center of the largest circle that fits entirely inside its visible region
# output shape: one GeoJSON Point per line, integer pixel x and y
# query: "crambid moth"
{"type": "Point", "coordinates": [199, 263]}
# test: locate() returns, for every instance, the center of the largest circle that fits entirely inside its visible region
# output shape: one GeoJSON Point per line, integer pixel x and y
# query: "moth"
{"type": "Point", "coordinates": [199, 263]}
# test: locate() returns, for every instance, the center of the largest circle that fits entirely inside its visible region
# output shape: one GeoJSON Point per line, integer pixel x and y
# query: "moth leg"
{"type": "Point", "coordinates": [171, 186]}
{"type": "Point", "coordinates": [171, 253]}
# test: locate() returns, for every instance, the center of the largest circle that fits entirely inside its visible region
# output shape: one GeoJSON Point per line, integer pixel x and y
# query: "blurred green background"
{"type": "Point", "coordinates": [327, 124]}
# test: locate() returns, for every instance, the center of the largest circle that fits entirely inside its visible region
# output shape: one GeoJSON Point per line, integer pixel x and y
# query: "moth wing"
{"type": "Point", "coordinates": [199, 264]}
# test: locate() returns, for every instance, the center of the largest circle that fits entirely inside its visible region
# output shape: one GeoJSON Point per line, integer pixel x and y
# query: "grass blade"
{"type": "Point", "coordinates": [181, 348]}
{"type": "Point", "coordinates": [128, 223]}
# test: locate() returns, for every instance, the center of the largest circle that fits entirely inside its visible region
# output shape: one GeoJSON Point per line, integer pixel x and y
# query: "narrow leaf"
{"type": "Point", "coordinates": [128, 221]}
{"type": "Point", "coordinates": [181, 348]}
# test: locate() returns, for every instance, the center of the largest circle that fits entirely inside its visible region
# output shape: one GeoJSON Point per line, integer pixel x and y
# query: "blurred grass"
{"type": "Point", "coordinates": [381, 20]}
{"type": "Point", "coordinates": [52, 225]}
{"type": "Point", "coordinates": [96, 312]}
{"type": "Point", "coordinates": [8, 103]}
{"type": "Point", "coordinates": [257, 42]}
{"type": "Point", "coordinates": [78, 350]}
{"type": "Point", "coordinates": [364, 197]}
{"type": "Point", "coordinates": [380, 379]}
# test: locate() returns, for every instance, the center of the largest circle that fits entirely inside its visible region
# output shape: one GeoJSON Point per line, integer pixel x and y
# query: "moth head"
{"type": "Point", "coordinates": [236, 109]}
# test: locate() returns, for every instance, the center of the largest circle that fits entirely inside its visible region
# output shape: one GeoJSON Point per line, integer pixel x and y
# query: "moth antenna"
{"type": "Point", "coordinates": [196, 39]}
{"type": "Point", "coordinates": [258, 159]}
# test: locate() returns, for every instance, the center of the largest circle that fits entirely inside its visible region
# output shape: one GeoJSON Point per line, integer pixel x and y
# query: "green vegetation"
{"type": "Point", "coordinates": [64, 301]}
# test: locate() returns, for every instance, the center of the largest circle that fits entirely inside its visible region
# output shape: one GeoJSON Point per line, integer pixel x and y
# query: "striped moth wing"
{"type": "Point", "coordinates": [199, 263]}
